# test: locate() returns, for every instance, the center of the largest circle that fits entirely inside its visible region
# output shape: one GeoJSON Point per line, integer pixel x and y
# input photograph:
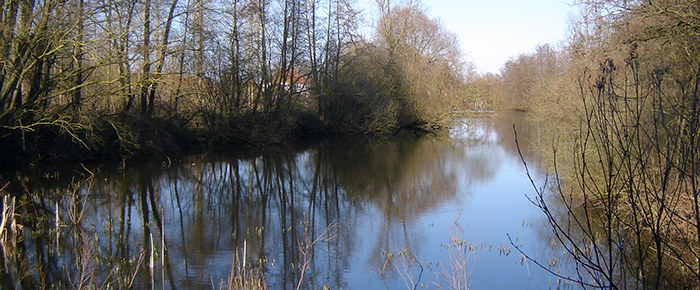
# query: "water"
{"type": "Point", "coordinates": [351, 214]}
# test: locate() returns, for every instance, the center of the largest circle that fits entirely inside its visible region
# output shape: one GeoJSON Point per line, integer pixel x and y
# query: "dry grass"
{"type": "Point", "coordinates": [455, 273]}
{"type": "Point", "coordinates": [462, 261]}
{"type": "Point", "coordinates": [243, 276]}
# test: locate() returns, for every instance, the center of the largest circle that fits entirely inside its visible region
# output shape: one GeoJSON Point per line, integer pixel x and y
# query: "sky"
{"type": "Point", "coordinates": [491, 31]}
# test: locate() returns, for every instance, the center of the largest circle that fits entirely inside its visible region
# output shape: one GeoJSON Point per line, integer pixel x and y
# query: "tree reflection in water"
{"type": "Point", "coordinates": [163, 224]}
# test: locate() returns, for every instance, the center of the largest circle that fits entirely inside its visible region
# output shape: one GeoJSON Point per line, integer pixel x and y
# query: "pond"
{"type": "Point", "coordinates": [414, 211]}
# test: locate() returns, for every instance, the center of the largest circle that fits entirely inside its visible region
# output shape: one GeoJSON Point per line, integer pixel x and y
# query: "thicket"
{"type": "Point", "coordinates": [410, 75]}
{"type": "Point", "coordinates": [93, 78]}
{"type": "Point", "coordinates": [621, 94]}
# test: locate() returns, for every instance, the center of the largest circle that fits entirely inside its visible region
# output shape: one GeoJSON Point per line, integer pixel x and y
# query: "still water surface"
{"type": "Point", "coordinates": [384, 215]}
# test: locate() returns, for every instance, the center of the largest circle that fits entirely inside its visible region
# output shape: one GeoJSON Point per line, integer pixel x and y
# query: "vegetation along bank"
{"type": "Point", "coordinates": [89, 79]}
{"type": "Point", "coordinates": [619, 104]}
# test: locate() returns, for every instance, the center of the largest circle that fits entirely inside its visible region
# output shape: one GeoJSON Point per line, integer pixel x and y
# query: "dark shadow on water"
{"type": "Point", "coordinates": [178, 223]}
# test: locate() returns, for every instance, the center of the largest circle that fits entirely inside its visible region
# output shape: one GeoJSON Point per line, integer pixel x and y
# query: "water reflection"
{"type": "Point", "coordinates": [179, 224]}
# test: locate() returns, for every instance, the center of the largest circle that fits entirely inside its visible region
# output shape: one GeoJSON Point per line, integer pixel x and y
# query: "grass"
{"type": "Point", "coordinates": [243, 275]}
{"type": "Point", "coordinates": [455, 273]}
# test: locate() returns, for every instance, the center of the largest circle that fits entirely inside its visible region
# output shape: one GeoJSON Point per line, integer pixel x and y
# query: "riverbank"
{"type": "Point", "coordinates": [178, 222]}
{"type": "Point", "coordinates": [125, 137]}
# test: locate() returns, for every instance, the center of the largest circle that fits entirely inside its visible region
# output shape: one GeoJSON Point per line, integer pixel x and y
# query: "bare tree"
{"type": "Point", "coordinates": [626, 207]}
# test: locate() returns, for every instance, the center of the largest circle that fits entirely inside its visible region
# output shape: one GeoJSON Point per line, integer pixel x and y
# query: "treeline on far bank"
{"type": "Point", "coordinates": [619, 104]}
{"type": "Point", "coordinates": [84, 79]}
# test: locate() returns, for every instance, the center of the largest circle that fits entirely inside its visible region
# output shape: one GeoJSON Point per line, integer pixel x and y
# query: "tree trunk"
{"type": "Point", "coordinates": [145, 81]}
{"type": "Point", "coordinates": [161, 57]}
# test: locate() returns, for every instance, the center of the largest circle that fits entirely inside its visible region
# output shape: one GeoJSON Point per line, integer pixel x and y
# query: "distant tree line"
{"type": "Point", "coordinates": [85, 78]}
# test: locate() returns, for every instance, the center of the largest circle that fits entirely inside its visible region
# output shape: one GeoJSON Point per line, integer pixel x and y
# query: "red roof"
{"type": "Point", "coordinates": [291, 77]}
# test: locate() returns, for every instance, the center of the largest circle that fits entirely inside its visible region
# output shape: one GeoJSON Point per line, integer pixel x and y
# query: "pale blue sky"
{"type": "Point", "coordinates": [491, 31]}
